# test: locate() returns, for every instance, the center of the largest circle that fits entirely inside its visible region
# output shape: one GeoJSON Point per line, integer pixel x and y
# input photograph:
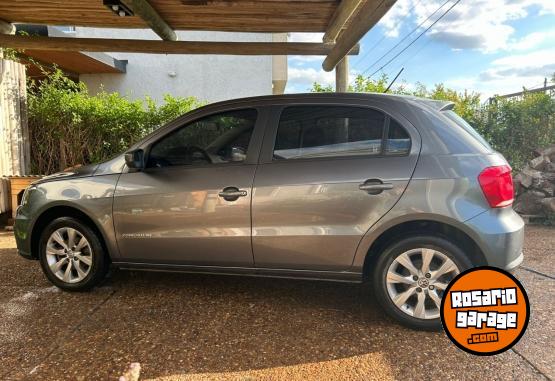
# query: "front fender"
{"type": "Point", "coordinates": [91, 196]}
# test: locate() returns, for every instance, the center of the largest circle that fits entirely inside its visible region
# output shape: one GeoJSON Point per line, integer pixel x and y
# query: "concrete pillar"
{"type": "Point", "coordinates": [6, 28]}
{"type": "Point", "coordinates": [279, 67]}
{"type": "Point", "coordinates": [14, 134]}
{"type": "Point", "coordinates": [342, 75]}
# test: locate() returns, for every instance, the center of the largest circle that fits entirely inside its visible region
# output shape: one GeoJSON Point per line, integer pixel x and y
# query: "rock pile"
{"type": "Point", "coordinates": [535, 185]}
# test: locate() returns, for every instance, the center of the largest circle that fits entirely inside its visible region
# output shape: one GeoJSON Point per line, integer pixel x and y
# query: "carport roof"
{"type": "Point", "coordinates": [343, 21]}
{"type": "Point", "coordinates": [246, 16]}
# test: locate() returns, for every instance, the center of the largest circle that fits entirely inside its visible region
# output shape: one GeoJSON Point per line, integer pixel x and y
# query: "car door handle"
{"type": "Point", "coordinates": [232, 193]}
{"type": "Point", "coordinates": [375, 186]}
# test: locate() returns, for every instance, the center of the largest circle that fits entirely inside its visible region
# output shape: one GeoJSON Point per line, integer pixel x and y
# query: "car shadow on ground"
{"type": "Point", "coordinates": [192, 326]}
{"type": "Point", "coordinates": [222, 326]}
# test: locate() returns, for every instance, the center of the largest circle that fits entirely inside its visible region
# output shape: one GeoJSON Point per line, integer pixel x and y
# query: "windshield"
{"type": "Point", "coordinates": [467, 127]}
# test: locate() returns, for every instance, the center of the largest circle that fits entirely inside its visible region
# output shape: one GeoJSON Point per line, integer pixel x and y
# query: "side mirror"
{"type": "Point", "coordinates": [135, 159]}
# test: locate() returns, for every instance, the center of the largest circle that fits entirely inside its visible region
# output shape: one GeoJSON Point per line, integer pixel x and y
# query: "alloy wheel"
{"type": "Point", "coordinates": [69, 255]}
{"type": "Point", "coordinates": [417, 279]}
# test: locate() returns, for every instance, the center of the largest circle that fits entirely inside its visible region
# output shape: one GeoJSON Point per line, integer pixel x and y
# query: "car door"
{"type": "Point", "coordinates": [191, 204]}
{"type": "Point", "coordinates": [327, 173]}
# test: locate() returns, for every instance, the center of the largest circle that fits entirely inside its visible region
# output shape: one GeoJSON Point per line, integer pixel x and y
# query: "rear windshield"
{"type": "Point", "coordinates": [467, 127]}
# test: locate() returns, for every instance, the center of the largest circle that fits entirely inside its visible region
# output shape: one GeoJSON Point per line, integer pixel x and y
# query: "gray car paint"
{"type": "Point", "coordinates": [299, 227]}
{"type": "Point", "coordinates": [310, 213]}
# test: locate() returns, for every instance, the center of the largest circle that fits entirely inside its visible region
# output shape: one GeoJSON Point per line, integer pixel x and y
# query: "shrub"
{"type": "Point", "coordinates": [68, 126]}
{"type": "Point", "coordinates": [516, 127]}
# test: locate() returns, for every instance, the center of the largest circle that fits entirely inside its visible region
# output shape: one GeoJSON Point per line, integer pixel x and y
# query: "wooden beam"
{"type": "Point", "coordinates": [267, 16]}
{"type": "Point", "coordinates": [342, 14]}
{"type": "Point", "coordinates": [368, 16]}
{"type": "Point", "coordinates": [167, 47]}
{"type": "Point", "coordinates": [342, 76]}
{"type": "Point", "coordinates": [144, 10]}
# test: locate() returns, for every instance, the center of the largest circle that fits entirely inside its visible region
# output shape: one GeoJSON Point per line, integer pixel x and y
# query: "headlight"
{"type": "Point", "coordinates": [27, 194]}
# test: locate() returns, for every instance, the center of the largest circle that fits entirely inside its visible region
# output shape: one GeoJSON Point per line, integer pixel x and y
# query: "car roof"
{"type": "Point", "coordinates": [438, 105]}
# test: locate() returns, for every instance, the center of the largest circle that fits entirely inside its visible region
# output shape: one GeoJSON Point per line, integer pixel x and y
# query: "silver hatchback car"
{"type": "Point", "coordinates": [345, 187]}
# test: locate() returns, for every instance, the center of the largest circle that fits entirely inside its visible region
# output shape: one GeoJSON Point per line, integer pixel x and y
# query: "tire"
{"type": "Point", "coordinates": [425, 288]}
{"type": "Point", "coordinates": [87, 260]}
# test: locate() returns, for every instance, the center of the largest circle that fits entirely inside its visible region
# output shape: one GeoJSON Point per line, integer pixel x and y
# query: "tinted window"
{"type": "Point", "coordinates": [327, 131]}
{"type": "Point", "coordinates": [398, 140]}
{"type": "Point", "coordinates": [219, 138]}
{"type": "Point", "coordinates": [467, 127]}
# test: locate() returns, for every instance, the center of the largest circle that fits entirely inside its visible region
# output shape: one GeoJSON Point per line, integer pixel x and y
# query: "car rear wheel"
{"type": "Point", "coordinates": [71, 255]}
{"type": "Point", "coordinates": [412, 275]}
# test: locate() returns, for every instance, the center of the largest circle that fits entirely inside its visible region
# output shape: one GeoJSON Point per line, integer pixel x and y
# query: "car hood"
{"type": "Point", "coordinates": [109, 167]}
{"type": "Point", "coordinates": [82, 171]}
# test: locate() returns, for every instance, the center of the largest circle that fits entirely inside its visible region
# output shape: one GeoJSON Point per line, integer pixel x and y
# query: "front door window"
{"type": "Point", "coordinates": [216, 139]}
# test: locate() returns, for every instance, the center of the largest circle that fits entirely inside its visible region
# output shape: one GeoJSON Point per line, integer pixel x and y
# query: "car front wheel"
{"type": "Point", "coordinates": [411, 276]}
{"type": "Point", "coordinates": [71, 255]}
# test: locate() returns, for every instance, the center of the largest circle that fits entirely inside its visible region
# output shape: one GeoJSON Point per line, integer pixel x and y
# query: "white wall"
{"type": "Point", "coordinates": [208, 77]}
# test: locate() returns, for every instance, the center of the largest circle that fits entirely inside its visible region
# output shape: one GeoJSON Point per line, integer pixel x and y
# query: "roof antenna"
{"type": "Point", "coordinates": [394, 79]}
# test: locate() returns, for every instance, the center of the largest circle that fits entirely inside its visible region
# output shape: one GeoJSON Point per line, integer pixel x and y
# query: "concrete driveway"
{"type": "Point", "coordinates": [197, 327]}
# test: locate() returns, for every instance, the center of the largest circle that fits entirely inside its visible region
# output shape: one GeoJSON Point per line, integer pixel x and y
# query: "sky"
{"type": "Point", "coordinates": [485, 46]}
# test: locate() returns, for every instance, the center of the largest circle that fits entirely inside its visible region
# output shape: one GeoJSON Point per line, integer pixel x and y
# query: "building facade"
{"type": "Point", "coordinates": [210, 78]}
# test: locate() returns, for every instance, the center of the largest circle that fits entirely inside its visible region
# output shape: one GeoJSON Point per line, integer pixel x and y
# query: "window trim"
{"type": "Point", "coordinates": [251, 150]}
{"type": "Point", "coordinates": [276, 116]}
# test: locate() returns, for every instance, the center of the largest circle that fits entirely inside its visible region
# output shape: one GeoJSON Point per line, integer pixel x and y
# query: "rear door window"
{"type": "Point", "coordinates": [328, 131]}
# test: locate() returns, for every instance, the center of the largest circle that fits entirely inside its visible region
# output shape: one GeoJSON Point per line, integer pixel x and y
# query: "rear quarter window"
{"type": "Point", "coordinates": [459, 121]}
{"type": "Point", "coordinates": [398, 140]}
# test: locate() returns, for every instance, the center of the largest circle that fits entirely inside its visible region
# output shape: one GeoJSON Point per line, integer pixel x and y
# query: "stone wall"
{"type": "Point", "coordinates": [535, 185]}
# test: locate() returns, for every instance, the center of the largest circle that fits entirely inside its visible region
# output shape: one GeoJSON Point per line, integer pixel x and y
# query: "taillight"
{"type": "Point", "coordinates": [497, 185]}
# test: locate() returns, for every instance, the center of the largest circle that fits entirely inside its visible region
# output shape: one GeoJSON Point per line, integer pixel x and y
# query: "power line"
{"type": "Point", "coordinates": [397, 24]}
{"type": "Point", "coordinates": [370, 50]}
{"type": "Point", "coordinates": [422, 47]}
{"type": "Point", "coordinates": [404, 38]}
{"type": "Point", "coordinates": [411, 57]}
{"type": "Point", "coordinates": [417, 38]}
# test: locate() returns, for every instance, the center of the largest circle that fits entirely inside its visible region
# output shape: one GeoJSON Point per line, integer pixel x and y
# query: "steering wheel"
{"type": "Point", "coordinates": [192, 150]}
{"type": "Point", "coordinates": [180, 156]}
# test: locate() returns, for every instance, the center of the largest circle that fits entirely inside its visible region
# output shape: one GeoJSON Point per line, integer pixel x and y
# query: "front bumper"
{"type": "Point", "coordinates": [25, 255]}
{"type": "Point", "coordinates": [22, 233]}
{"type": "Point", "coordinates": [500, 235]}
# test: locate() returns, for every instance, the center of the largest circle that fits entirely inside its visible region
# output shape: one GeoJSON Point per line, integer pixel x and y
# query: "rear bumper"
{"type": "Point", "coordinates": [515, 263]}
{"type": "Point", "coordinates": [500, 235]}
